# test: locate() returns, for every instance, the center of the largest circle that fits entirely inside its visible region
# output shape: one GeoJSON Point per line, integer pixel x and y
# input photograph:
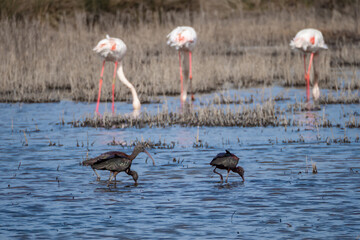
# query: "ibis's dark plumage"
{"type": "Point", "coordinates": [116, 162]}
{"type": "Point", "coordinates": [227, 161]}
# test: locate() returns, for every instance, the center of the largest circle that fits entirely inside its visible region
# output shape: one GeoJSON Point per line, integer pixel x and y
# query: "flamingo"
{"type": "Point", "coordinates": [183, 39]}
{"type": "Point", "coordinates": [310, 41]}
{"type": "Point", "coordinates": [113, 50]}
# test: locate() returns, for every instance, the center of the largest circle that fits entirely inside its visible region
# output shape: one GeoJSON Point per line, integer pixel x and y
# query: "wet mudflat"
{"type": "Point", "coordinates": [46, 193]}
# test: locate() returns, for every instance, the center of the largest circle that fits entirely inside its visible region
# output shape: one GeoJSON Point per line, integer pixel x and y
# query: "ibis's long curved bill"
{"type": "Point", "coordinates": [149, 156]}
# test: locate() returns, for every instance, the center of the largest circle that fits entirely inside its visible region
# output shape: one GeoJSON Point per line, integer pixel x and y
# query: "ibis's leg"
{"type": "Point", "coordinates": [227, 176]}
{"type": "Point", "coordinates": [181, 79]}
{"type": "Point", "coordinates": [98, 176]}
{"type": "Point", "coordinates": [100, 84]}
{"type": "Point", "coordinates": [190, 77]}
{"type": "Point", "coordinates": [111, 177]}
{"type": "Point", "coordinates": [221, 177]}
{"type": "Point", "coordinates": [113, 89]}
{"type": "Point", "coordinates": [308, 78]}
{"type": "Point", "coordinates": [115, 173]}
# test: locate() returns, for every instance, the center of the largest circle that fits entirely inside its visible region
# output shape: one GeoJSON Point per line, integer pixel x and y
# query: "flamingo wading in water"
{"type": "Point", "coordinates": [116, 162]}
{"type": "Point", "coordinates": [227, 161]}
{"type": "Point", "coordinates": [183, 39]}
{"type": "Point", "coordinates": [113, 50]}
{"type": "Point", "coordinates": [310, 41]}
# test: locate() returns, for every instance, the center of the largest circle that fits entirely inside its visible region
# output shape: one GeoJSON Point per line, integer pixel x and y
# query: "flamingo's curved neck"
{"type": "Point", "coordinates": [136, 101]}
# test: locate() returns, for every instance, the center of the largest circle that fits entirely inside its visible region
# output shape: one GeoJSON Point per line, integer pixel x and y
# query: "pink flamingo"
{"type": "Point", "coordinates": [113, 50]}
{"type": "Point", "coordinates": [184, 39]}
{"type": "Point", "coordinates": [310, 41]}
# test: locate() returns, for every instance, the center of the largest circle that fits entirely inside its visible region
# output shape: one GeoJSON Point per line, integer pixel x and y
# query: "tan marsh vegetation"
{"type": "Point", "coordinates": [46, 61]}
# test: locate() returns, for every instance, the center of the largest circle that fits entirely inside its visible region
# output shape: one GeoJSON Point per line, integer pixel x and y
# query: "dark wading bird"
{"type": "Point", "coordinates": [227, 161]}
{"type": "Point", "coordinates": [116, 162]}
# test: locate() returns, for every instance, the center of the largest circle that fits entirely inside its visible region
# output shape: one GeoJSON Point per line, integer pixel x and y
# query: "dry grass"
{"type": "Point", "coordinates": [342, 98]}
{"type": "Point", "coordinates": [42, 63]}
{"type": "Point", "coordinates": [260, 115]}
{"type": "Point", "coordinates": [160, 144]}
{"type": "Point", "coordinates": [245, 116]}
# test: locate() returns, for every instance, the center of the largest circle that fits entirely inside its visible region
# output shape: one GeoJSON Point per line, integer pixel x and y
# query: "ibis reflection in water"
{"type": "Point", "coordinates": [227, 161]}
{"type": "Point", "coordinates": [117, 162]}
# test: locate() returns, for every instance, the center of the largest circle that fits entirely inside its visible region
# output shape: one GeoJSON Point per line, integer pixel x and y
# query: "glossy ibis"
{"type": "Point", "coordinates": [116, 162]}
{"type": "Point", "coordinates": [227, 161]}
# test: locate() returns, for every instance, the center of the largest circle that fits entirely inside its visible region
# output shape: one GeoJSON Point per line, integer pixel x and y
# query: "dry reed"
{"type": "Point", "coordinates": [348, 97]}
{"type": "Point", "coordinates": [259, 115]}
{"type": "Point", "coordinates": [149, 143]}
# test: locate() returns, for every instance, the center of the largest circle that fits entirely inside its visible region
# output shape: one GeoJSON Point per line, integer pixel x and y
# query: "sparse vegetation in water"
{"type": "Point", "coordinates": [281, 97]}
{"type": "Point", "coordinates": [200, 144]}
{"type": "Point", "coordinates": [348, 97]}
{"type": "Point", "coordinates": [344, 139]}
{"type": "Point", "coordinates": [300, 140]}
{"type": "Point", "coordinates": [327, 140]}
{"type": "Point", "coordinates": [313, 164]}
{"type": "Point", "coordinates": [149, 143]}
{"type": "Point", "coordinates": [26, 140]}
{"type": "Point", "coordinates": [255, 115]}
{"type": "Point", "coordinates": [354, 121]}
{"type": "Point", "coordinates": [222, 99]}
{"type": "Point", "coordinates": [244, 116]}
{"type": "Point", "coordinates": [314, 168]}
{"type": "Point", "coordinates": [303, 107]}
{"type": "Point", "coordinates": [51, 143]}
{"type": "Point", "coordinates": [178, 161]}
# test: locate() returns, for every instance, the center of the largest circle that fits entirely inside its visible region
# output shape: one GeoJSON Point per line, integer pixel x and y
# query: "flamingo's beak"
{"type": "Point", "coordinates": [149, 156]}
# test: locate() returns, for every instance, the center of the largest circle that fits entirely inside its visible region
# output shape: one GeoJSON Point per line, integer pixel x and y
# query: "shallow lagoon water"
{"type": "Point", "coordinates": [46, 193]}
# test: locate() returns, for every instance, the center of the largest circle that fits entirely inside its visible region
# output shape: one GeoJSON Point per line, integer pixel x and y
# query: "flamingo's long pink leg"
{"type": "Point", "coordinates": [181, 77]}
{"type": "Point", "coordinates": [113, 88]}
{"type": "Point", "coordinates": [190, 77]}
{"type": "Point", "coordinates": [100, 84]}
{"type": "Point", "coordinates": [308, 78]}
